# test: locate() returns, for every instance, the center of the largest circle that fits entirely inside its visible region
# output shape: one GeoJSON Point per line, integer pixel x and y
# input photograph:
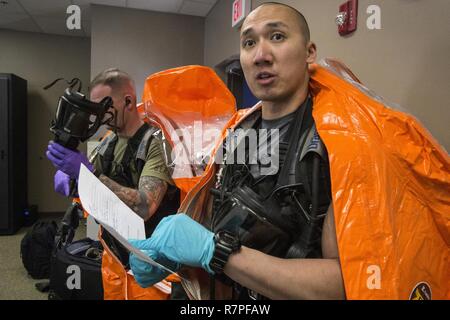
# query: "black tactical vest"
{"type": "Point", "coordinates": [283, 217]}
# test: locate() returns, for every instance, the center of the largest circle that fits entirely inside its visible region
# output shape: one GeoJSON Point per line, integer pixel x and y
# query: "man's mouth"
{"type": "Point", "coordinates": [265, 78]}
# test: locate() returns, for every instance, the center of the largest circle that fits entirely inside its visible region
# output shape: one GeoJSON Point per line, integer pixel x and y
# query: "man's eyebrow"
{"type": "Point", "coordinates": [271, 25]}
{"type": "Point", "coordinates": [277, 24]}
{"type": "Point", "coordinates": [246, 32]}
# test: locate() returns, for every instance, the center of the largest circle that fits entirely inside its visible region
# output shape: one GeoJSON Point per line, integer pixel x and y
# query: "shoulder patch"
{"type": "Point", "coordinates": [313, 143]}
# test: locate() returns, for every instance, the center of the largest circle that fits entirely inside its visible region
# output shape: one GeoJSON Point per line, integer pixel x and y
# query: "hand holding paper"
{"type": "Point", "coordinates": [177, 239]}
{"type": "Point", "coordinates": [114, 215]}
{"type": "Point", "coordinates": [147, 274]}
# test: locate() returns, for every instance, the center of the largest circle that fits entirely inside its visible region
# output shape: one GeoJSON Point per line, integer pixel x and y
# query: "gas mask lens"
{"type": "Point", "coordinates": [76, 122]}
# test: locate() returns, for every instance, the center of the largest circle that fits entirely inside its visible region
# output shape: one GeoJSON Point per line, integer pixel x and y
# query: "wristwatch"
{"type": "Point", "coordinates": [226, 243]}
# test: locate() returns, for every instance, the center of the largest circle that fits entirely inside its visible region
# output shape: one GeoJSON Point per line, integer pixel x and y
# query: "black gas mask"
{"type": "Point", "coordinates": [77, 118]}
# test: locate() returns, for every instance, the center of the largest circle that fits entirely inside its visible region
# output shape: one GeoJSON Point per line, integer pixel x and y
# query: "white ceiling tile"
{"type": "Point", "coordinates": [11, 8]}
{"type": "Point", "coordinates": [50, 15]}
{"type": "Point", "coordinates": [155, 5]}
{"type": "Point", "coordinates": [85, 9]}
{"type": "Point", "coordinates": [195, 8]}
{"type": "Point", "coordinates": [26, 24]}
{"type": "Point", "coordinates": [12, 17]}
{"type": "Point", "coordinates": [45, 6]}
{"type": "Point", "coordinates": [114, 3]}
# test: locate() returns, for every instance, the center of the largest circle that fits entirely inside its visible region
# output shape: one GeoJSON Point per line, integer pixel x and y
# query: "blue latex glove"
{"type": "Point", "coordinates": [147, 275]}
{"type": "Point", "coordinates": [177, 239]}
{"type": "Point", "coordinates": [62, 183]}
{"type": "Point", "coordinates": [66, 160]}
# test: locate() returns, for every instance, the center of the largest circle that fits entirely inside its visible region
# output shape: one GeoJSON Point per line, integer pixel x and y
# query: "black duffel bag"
{"type": "Point", "coordinates": [75, 266]}
{"type": "Point", "coordinates": [76, 271]}
{"type": "Point", "coordinates": [36, 249]}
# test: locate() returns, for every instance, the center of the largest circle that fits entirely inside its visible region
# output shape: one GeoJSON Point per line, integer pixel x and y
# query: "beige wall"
{"type": "Point", "coordinates": [144, 42]}
{"type": "Point", "coordinates": [221, 41]}
{"type": "Point", "coordinates": [139, 42]}
{"type": "Point", "coordinates": [406, 62]}
{"type": "Point", "coordinates": [40, 59]}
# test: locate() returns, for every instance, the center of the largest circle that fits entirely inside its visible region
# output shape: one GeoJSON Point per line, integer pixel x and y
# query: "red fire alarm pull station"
{"type": "Point", "coordinates": [347, 18]}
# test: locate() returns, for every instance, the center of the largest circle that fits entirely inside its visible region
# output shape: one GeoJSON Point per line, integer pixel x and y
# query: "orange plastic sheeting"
{"type": "Point", "coordinates": [120, 285]}
{"type": "Point", "coordinates": [390, 188]}
{"type": "Point", "coordinates": [191, 105]}
{"type": "Point", "coordinates": [174, 100]}
{"type": "Point", "coordinates": [391, 193]}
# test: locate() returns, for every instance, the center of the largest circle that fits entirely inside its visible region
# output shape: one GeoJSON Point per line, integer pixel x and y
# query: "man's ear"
{"type": "Point", "coordinates": [128, 102]}
{"type": "Point", "coordinates": [311, 52]}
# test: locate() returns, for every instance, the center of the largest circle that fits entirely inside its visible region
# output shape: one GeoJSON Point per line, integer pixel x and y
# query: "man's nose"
{"type": "Point", "coordinates": [263, 54]}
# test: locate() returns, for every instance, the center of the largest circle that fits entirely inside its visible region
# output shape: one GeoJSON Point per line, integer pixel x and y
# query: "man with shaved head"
{"type": "Point", "coordinates": [271, 235]}
{"type": "Point", "coordinates": [275, 55]}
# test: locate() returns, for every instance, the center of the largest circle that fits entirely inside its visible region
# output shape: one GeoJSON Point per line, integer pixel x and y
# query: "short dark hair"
{"type": "Point", "coordinates": [115, 78]}
{"type": "Point", "coordinates": [304, 27]}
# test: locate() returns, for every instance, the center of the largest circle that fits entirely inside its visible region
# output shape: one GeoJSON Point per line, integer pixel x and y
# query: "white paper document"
{"type": "Point", "coordinates": [114, 215]}
{"type": "Point", "coordinates": [107, 208]}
